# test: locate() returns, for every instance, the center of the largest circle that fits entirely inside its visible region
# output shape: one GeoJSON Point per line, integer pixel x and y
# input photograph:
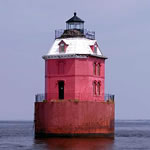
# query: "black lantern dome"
{"type": "Point", "coordinates": [75, 23]}
{"type": "Point", "coordinates": [74, 28]}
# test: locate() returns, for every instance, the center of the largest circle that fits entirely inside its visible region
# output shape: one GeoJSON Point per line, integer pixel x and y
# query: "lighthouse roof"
{"type": "Point", "coordinates": [77, 45]}
{"type": "Point", "coordinates": [75, 19]}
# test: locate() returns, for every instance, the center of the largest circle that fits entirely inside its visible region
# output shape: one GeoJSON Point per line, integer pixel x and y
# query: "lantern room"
{"type": "Point", "coordinates": [75, 23]}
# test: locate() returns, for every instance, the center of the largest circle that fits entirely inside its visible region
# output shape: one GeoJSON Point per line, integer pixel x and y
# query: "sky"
{"type": "Point", "coordinates": [27, 32]}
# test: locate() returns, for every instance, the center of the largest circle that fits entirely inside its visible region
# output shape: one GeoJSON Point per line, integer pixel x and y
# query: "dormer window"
{"type": "Point", "coordinates": [62, 46]}
{"type": "Point", "coordinates": [94, 48]}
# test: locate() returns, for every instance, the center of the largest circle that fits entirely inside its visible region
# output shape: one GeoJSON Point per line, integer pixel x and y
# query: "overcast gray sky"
{"type": "Point", "coordinates": [27, 32]}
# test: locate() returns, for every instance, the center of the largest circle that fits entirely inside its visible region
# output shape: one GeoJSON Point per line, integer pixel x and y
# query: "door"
{"type": "Point", "coordinates": [61, 89]}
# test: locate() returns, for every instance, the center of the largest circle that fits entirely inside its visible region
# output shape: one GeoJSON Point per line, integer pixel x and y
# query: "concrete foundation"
{"type": "Point", "coordinates": [74, 118]}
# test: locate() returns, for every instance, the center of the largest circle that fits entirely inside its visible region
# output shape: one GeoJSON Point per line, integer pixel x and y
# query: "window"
{"type": "Point", "coordinates": [61, 89]}
{"type": "Point", "coordinates": [98, 88]}
{"type": "Point", "coordinates": [95, 48]}
{"type": "Point", "coordinates": [94, 68]}
{"type": "Point", "coordinates": [94, 87]}
{"type": "Point", "coordinates": [98, 69]}
{"type": "Point", "coordinates": [62, 47]}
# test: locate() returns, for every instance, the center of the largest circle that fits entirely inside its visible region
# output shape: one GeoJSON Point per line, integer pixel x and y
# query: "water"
{"type": "Point", "coordinates": [130, 135]}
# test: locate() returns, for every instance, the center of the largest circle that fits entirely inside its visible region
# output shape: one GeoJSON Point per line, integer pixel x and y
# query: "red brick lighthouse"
{"type": "Point", "coordinates": [74, 103]}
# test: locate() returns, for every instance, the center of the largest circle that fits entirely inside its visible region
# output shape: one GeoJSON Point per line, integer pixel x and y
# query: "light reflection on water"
{"type": "Point", "coordinates": [76, 143]}
{"type": "Point", "coordinates": [19, 135]}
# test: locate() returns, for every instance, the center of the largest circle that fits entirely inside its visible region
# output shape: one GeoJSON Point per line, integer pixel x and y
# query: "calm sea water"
{"type": "Point", "coordinates": [130, 135]}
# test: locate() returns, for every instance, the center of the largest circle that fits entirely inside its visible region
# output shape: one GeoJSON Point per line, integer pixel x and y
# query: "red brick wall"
{"type": "Point", "coordinates": [78, 76]}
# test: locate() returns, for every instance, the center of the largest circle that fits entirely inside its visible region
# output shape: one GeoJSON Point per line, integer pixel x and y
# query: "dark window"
{"type": "Point", "coordinates": [95, 48]}
{"type": "Point", "coordinates": [98, 69]}
{"type": "Point", "coordinates": [94, 68]}
{"type": "Point", "coordinates": [61, 89]}
{"type": "Point", "coordinates": [62, 47]}
{"type": "Point", "coordinates": [94, 88]}
{"type": "Point", "coordinates": [98, 88]}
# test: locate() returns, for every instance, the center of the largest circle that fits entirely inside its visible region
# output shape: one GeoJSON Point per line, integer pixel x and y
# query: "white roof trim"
{"type": "Point", "coordinates": [67, 56]}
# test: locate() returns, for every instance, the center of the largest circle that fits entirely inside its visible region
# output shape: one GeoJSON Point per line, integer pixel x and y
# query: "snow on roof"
{"type": "Point", "coordinates": [75, 46]}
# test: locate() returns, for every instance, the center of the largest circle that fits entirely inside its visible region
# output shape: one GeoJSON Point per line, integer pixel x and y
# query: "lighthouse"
{"type": "Point", "coordinates": [74, 102]}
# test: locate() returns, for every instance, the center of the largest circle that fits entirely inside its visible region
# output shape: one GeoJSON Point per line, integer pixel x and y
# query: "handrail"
{"type": "Point", "coordinates": [107, 97]}
{"type": "Point", "coordinates": [39, 97]}
{"type": "Point", "coordinates": [87, 33]}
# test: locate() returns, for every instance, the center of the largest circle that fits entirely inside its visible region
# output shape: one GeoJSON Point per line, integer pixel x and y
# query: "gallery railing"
{"type": "Point", "coordinates": [86, 33]}
{"type": "Point", "coordinates": [39, 97]}
{"type": "Point", "coordinates": [107, 97]}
